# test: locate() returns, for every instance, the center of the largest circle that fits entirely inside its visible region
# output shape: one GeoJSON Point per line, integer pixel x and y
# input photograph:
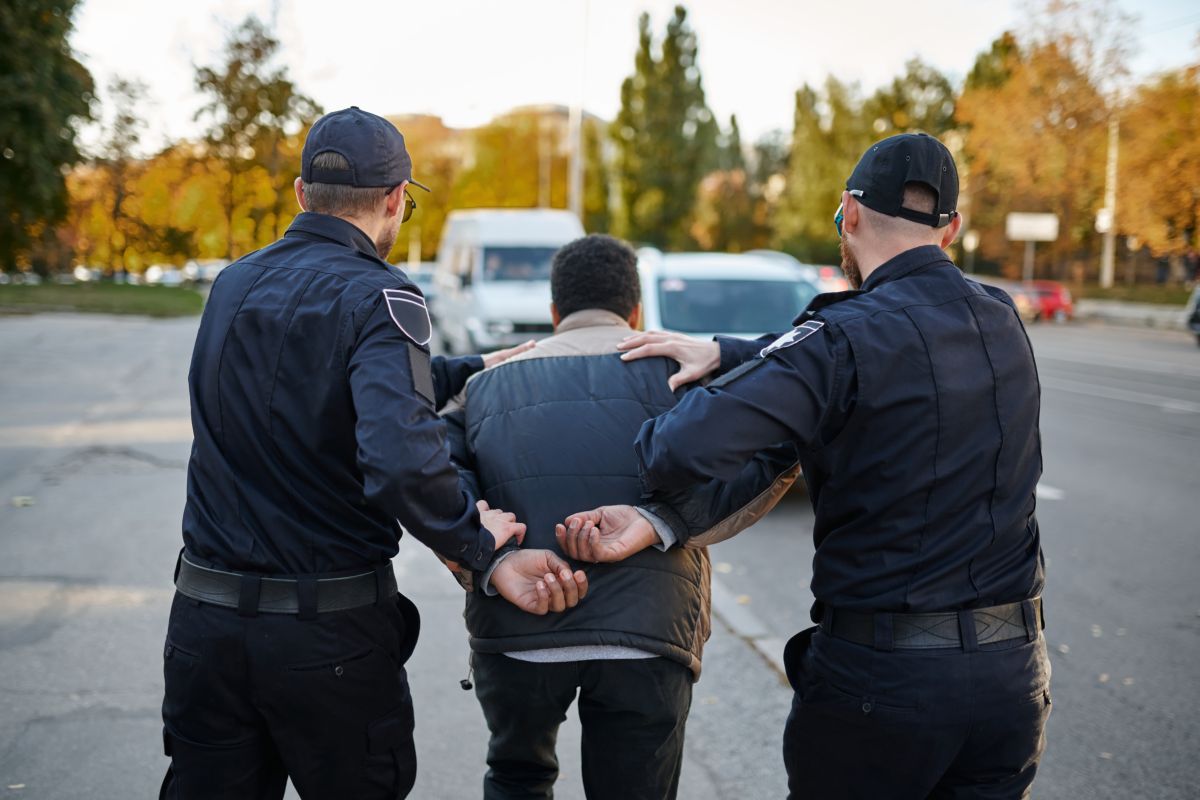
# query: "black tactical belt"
{"type": "Point", "coordinates": [960, 630]}
{"type": "Point", "coordinates": [307, 597]}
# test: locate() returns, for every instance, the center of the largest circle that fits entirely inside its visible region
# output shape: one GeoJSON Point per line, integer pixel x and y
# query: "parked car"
{"type": "Point", "coordinates": [826, 278]}
{"type": "Point", "coordinates": [703, 294]}
{"type": "Point", "coordinates": [493, 275]}
{"type": "Point", "coordinates": [1053, 300]}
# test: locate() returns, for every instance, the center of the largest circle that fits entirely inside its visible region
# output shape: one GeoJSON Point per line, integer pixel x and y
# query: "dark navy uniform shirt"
{"type": "Point", "coordinates": [914, 405]}
{"type": "Point", "coordinates": [313, 409]}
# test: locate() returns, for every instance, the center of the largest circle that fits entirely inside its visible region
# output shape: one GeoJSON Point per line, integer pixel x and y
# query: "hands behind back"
{"type": "Point", "coordinates": [538, 581]}
{"type": "Point", "coordinates": [607, 533]}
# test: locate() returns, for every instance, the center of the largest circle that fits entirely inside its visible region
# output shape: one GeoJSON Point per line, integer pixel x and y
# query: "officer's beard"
{"type": "Point", "coordinates": [850, 265]}
{"type": "Point", "coordinates": [383, 245]}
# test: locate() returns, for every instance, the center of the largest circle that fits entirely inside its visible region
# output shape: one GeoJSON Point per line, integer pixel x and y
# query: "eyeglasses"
{"type": "Point", "coordinates": [410, 205]}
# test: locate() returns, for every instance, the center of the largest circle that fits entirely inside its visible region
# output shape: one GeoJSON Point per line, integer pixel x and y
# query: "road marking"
{"type": "Point", "coordinates": [1049, 492]}
{"type": "Point", "coordinates": [114, 432]}
{"type": "Point", "coordinates": [1169, 404]}
{"type": "Point", "coordinates": [1122, 363]}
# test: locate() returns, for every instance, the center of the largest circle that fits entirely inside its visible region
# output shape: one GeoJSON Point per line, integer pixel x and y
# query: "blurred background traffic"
{"type": "Point", "coordinates": [1076, 125]}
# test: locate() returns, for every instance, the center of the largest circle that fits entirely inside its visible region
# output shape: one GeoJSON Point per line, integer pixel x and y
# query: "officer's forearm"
{"type": "Point", "coordinates": [450, 376]}
{"type": "Point", "coordinates": [735, 351]}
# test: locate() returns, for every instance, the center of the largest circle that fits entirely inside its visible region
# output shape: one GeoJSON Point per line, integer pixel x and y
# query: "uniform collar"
{"type": "Point", "coordinates": [335, 229]}
{"type": "Point", "coordinates": [590, 318]}
{"type": "Point", "coordinates": [905, 264]}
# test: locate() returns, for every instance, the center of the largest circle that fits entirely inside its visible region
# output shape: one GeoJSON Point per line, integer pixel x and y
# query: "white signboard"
{"type": "Point", "coordinates": [1031, 227]}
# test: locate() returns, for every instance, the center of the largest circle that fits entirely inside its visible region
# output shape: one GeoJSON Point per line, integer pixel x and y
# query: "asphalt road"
{"type": "Point", "coordinates": [93, 443]}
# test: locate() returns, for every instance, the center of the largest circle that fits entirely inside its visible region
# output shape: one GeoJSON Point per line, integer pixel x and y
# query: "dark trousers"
{"type": "Point", "coordinates": [914, 724]}
{"type": "Point", "coordinates": [251, 701]}
{"type": "Point", "coordinates": [632, 712]}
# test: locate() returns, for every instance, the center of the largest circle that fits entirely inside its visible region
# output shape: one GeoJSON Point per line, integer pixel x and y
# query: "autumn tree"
{"type": "Point", "coordinates": [920, 100]}
{"type": "Point", "coordinates": [255, 113]}
{"type": "Point", "coordinates": [665, 137]}
{"type": "Point", "coordinates": [1160, 163]}
{"type": "Point", "coordinates": [45, 94]}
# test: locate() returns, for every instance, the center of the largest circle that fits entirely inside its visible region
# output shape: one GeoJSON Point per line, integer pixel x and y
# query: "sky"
{"type": "Point", "coordinates": [468, 60]}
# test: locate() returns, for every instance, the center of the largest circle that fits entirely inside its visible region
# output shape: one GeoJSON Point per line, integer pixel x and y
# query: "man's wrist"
{"type": "Point", "coordinates": [666, 536]}
{"type": "Point", "coordinates": [486, 582]}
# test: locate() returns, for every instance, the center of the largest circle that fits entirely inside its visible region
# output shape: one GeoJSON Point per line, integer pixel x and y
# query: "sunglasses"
{"type": "Point", "coordinates": [410, 205]}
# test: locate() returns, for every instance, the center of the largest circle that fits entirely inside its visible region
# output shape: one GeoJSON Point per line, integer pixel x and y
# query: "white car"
{"type": "Point", "coordinates": [704, 294]}
{"type": "Point", "coordinates": [493, 275]}
{"type": "Point", "coordinates": [827, 279]}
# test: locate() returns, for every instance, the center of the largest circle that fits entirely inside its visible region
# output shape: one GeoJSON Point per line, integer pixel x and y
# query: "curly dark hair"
{"type": "Point", "coordinates": [596, 271]}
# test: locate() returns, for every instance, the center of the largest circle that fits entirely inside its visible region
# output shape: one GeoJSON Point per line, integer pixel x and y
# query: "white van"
{"type": "Point", "coordinates": [493, 275]}
{"type": "Point", "coordinates": [703, 294]}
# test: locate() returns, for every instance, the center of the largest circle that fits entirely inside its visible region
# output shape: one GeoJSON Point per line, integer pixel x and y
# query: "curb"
{"type": "Point", "coordinates": [745, 624]}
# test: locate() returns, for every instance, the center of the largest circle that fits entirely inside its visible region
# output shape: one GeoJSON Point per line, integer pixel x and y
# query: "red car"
{"type": "Point", "coordinates": [1054, 300]}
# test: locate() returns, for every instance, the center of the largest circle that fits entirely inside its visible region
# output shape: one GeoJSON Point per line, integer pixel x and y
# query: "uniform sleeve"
{"type": "Point", "coordinates": [781, 397]}
{"type": "Point", "coordinates": [736, 351]}
{"type": "Point", "coordinates": [708, 513]}
{"type": "Point", "coordinates": [450, 376]}
{"type": "Point", "coordinates": [402, 449]}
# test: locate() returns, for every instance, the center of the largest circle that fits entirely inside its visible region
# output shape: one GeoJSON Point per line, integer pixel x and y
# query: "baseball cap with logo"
{"type": "Point", "coordinates": [372, 146]}
{"type": "Point", "coordinates": [879, 178]}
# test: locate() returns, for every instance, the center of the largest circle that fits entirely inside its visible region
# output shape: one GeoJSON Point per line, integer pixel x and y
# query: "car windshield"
{"type": "Point", "coordinates": [517, 263]}
{"type": "Point", "coordinates": [731, 305]}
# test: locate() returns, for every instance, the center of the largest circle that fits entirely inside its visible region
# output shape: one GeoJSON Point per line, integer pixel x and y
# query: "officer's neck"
{"type": "Point", "coordinates": [871, 256]}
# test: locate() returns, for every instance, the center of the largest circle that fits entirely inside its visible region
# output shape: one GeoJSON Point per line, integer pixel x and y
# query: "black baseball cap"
{"type": "Point", "coordinates": [372, 145]}
{"type": "Point", "coordinates": [879, 178]}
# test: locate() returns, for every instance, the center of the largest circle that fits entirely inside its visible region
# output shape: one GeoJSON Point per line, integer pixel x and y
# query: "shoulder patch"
{"type": "Point", "coordinates": [790, 338]}
{"type": "Point", "coordinates": [408, 311]}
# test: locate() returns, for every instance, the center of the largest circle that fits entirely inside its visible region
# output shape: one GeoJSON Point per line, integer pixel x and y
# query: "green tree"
{"type": "Point", "coordinates": [253, 109]}
{"type": "Point", "coordinates": [922, 99]}
{"type": "Point", "coordinates": [665, 137]}
{"type": "Point", "coordinates": [596, 216]}
{"type": "Point", "coordinates": [829, 135]}
{"type": "Point", "coordinates": [994, 66]}
{"type": "Point", "coordinates": [45, 94]}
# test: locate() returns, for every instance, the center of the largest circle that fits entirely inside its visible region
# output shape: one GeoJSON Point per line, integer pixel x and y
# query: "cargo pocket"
{"type": "Point", "coordinates": [392, 755]}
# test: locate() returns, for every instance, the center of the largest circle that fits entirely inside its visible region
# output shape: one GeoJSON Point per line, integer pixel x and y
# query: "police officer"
{"type": "Point", "coordinates": [913, 400]}
{"type": "Point", "coordinates": [313, 408]}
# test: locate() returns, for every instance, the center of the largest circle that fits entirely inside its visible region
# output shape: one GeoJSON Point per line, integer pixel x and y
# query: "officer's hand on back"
{"type": "Point", "coordinates": [608, 533]}
{"type": "Point", "coordinates": [697, 358]}
{"type": "Point", "coordinates": [502, 524]}
{"type": "Point", "coordinates": [500, 356]}
{"type": "Point", "coordinates": [538, 581]}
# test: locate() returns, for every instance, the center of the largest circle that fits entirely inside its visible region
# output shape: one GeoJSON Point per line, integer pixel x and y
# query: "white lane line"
{"type": "Point", "coordinates": [1049, 492]}
{"type": "Point", "coordinates": [1169, 404]}
{"type": "Point", "coordinates": [745, 624]}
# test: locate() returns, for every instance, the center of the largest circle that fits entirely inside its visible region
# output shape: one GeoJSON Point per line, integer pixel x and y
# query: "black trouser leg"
{"type": "Point", "coordinates": [633, 713]}
{"type": "Point", "coordinates": [327, 699]}
{"type": "Point", "coordinates": [913, 724]}
{"type": "Point", "coordinates": [218, 743]}
{"type": "Point", "coordinates": [524, 703]}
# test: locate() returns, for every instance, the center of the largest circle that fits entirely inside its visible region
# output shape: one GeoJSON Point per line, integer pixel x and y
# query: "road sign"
{"type": "Point", "coordinates": [1031, 227]}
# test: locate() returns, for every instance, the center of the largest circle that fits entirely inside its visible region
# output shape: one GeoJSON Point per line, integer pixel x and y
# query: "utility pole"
{"type": "Point", "coordinates": [575, 134]}
{"type": "Point", "coordinates": [1109, 212]}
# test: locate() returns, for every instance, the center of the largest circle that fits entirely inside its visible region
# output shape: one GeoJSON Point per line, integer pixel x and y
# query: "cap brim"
{"type": "Point", "coordinates": [419, 185]}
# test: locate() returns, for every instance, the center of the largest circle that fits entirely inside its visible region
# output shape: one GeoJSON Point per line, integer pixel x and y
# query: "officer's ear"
{"type": "Point", "coordinates": [851, 213]}
{"type": "Point", "coordinates": [950, 232]}
{"type": "Point", "coordinates": [300, 198]}
{"type": "Point", "coordinates": [395, 200]}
